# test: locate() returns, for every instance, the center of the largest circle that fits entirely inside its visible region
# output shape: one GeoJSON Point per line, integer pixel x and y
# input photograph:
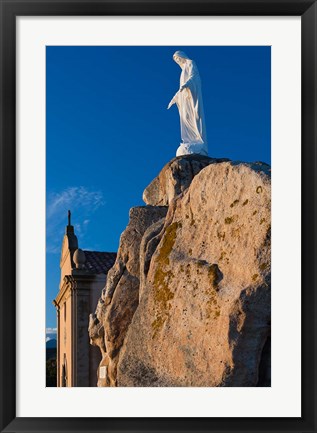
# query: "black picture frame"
{"type": "Point", "coordinates": [10, 9]}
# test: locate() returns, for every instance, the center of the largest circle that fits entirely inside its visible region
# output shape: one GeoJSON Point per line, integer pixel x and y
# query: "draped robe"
{"type": "Point", "coordinates": [190, 106]}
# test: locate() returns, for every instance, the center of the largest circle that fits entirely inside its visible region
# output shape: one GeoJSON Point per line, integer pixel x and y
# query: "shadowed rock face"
{"type": "Point", "coordinates": [120, 297]}
{"type": "Point", "coordinates": [188, 300]}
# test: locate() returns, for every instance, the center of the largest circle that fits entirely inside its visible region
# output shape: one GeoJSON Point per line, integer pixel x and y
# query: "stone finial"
{"type": "Point", "coordinates": [79, 258]}
{"type": "Point", "coordinates": [69, 217]}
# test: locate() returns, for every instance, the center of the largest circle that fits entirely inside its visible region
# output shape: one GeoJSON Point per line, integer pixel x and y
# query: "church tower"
{"type": "Point", "coordinates": [83, 275]}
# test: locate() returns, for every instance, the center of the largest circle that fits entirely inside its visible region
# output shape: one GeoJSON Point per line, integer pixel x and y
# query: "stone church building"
{"type": "Point", "coordinates": [83, 275]}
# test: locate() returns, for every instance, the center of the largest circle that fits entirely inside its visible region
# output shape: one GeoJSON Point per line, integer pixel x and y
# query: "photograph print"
{"type": "Point", "coordinates": [158, 216]}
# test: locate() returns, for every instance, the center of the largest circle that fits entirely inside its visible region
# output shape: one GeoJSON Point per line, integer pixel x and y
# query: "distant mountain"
{"type": "Point", "coordinates": [51, 344]}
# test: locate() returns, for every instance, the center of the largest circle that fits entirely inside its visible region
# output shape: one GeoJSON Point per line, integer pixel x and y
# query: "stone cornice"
{"type": "Point", "coordinates": [83, 275]}
{"type": "Point", "coordinates": [79, 280]}
{"type": "Point", "coordinates": [68, 284]}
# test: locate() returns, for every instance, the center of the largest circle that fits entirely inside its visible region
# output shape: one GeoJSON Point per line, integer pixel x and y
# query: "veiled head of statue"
{"type": "Point", "coordinates": [180, 57]}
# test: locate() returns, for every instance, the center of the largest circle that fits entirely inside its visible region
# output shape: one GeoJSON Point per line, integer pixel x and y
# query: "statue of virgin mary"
{"type": "Point", "coordinates": [190, 106]}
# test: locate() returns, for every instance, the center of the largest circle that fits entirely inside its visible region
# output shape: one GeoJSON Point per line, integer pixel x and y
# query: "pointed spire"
{"type": "Point", "coordinates": [70, 242]}
{"type": "Point", "coordinates": [69, 227]}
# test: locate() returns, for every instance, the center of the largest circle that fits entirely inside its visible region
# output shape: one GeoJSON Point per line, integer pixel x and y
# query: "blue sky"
{"type": "Point", "coordinates": [108, 132]}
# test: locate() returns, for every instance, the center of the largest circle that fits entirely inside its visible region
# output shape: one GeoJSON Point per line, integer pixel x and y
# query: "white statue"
{"type": "Point", "coordinates": [190, 106]}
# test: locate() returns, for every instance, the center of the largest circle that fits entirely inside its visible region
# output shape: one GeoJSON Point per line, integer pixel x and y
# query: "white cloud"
{"type": "Point", "coordinates": [77, 228]}
{"type": "Point", "coordinates": [53, 248]}
{"type": "Point", "coordinates": [74, 198]}
{"type": "Point", "coordinates": [81, 201]}
{"type": "Point", "coordinates": [51, 331]}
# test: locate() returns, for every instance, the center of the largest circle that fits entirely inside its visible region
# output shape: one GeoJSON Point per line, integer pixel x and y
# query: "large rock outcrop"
{"type": "Point", "coordinates": [194, 309]}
